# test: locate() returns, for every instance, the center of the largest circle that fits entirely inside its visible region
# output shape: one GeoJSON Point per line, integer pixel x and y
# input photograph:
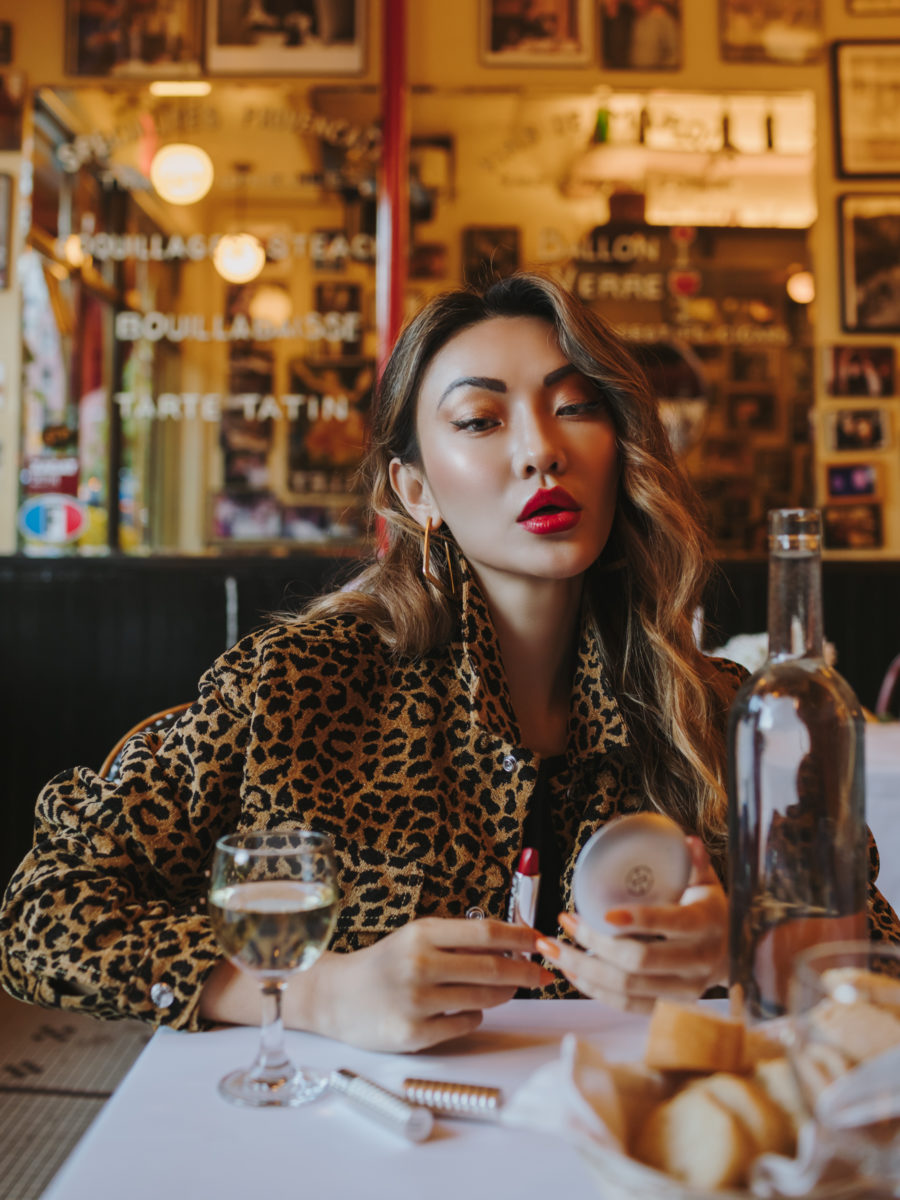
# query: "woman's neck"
{"type": "Point", "coordinates": [536, 622]}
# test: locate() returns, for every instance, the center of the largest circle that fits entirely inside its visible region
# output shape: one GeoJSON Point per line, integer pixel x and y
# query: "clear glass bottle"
{"type": "Point", "coordinates": [796, 787]}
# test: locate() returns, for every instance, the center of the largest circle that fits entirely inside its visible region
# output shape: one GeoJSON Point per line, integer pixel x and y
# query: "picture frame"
{"type": "Point", "coordinates": [544, 33]}
{"type": "Point", "coordinates": [12, 108]}
{"type": "Point", "coordinates": [260, 37]}
{"type": "Point", "coordinates": [6, 43]}
{"type": "Point", "coordinates": [335, 300]}
{"type": "Point", "coordinates": [852, 527]}
{"type": "Point", "coordinates": [864, 75]}
{"type": "Point", "coordinates": [489, 252]}
{"type": "Point", "coordinates": [753, 410]}
{"type": "Point", "coordinates": [640, 42]}
{"type": "Point", "coordinates": [857, 429]}
{"type": "Point", "coordinates": [106, 39]}
{"type": "Point", "coordinates": [327, 438]}
{"type": "Point", "coordinates": [852, 481]}
{"type": "Point", "coordinates": [870, 262]}
{"type": "Point", "coordinates": [853, 370]}
{"type": "Point", "coordinates": [770, 38]}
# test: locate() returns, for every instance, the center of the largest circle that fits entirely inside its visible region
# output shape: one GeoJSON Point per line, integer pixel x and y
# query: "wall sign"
{"type": "Point", "coordinates": [54, 519]}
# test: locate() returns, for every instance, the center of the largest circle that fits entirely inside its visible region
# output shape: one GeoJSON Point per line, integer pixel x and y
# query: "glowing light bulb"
{"type": "Point", "coordinates": [181, 173]}
{"type": "Point", "coordinates": [239, 257]}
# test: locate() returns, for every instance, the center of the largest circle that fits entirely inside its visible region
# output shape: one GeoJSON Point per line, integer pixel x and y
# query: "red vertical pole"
{"type": "Point", "coordinates": [392, 231]}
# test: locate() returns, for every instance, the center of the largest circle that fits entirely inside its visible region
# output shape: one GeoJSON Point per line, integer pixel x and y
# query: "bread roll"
{"type": "Point", "coordinates": [859, 1030]}
{"type": "Point", "coordinates": [696, 1139]}
{"type": "Point", "coordinates": [766, 1124]}
{"type": "Point", "coordinates": [777, 1079]}
{"type": "Point", "coordinates": [639, 1089]}
{"type": "Point", "coordinates": [685, 1037]}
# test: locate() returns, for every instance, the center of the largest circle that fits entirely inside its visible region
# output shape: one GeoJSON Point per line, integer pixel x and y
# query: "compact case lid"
{"type": "Point", "coordinates": [641, 858]}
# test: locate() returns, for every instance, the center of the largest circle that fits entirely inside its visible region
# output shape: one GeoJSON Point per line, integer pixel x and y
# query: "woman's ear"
{"type": "Point", "coordinates": [411, 488]}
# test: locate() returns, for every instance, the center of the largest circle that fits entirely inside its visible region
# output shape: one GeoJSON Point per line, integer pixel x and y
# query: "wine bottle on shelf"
{"type": "Point", "coordinates": [796, 786]}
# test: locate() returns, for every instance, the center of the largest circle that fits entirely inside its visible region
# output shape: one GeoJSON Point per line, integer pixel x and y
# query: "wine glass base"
{"type": "Point", "coordinates": [286, 1091]}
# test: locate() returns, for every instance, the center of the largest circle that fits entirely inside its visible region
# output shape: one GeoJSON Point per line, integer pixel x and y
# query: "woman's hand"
{"type": "Point", "coordinates": [673, 950]}
{"type": "Point", "coordinates": [423, 984]}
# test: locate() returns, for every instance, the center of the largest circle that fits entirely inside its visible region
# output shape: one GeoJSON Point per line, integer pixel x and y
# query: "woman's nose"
{"type": "Point", "coordinates": [538, 452]}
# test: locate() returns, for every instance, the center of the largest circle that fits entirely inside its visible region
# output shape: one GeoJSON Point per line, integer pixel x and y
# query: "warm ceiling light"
{"type": "Point", "coordinates": [272, 304]}
{"type": "Point", "coordinates": [801, 287]}
{"type": "Point", "coordinates": [239, 257]}
{"type": "Point", "coordinates": [180, 87]}
{"type": "Point", "coordinates": [181, 173]}
{"type": "Point", "coordinates": [72, 251]}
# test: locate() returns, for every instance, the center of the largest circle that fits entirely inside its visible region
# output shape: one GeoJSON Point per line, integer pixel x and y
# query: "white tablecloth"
{"type": "Point", "coordinates": [166, 1134]}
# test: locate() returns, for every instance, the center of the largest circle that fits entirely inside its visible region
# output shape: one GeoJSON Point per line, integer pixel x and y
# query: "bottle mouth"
{"type": "Point", "coordinates": [795, 531]}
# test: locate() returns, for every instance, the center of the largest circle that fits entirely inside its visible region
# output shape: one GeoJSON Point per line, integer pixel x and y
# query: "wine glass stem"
{"type": "Point", "coordinates": [272, 1060]}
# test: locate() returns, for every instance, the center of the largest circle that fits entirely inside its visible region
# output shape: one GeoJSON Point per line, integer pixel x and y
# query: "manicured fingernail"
{"type": "Point", "coordinates": [568, 922]}
{"type": "Point", "coordinates": [619, 916]}
{"type": "Point", "coordinates": [547, 947]}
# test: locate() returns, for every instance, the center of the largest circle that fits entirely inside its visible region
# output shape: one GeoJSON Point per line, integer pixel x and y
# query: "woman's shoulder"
{"type": "Point", "coordinates": [727, 669]}
{"type": "Point", "coordinates": [339, 644]}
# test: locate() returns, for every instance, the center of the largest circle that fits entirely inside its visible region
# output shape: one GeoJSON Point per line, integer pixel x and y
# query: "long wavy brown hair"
{"type": "Point", "coordinates": [642, 591]}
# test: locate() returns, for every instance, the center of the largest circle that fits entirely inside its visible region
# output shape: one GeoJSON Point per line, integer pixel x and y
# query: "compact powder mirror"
{"type": "Point", "coordinates": [642, 858]}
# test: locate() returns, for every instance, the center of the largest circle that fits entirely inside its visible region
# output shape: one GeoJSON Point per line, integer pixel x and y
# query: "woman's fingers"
{"type": "Point", "coordinates": [607, 981]}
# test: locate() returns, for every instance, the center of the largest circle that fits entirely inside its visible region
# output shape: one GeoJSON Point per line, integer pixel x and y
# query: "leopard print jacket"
{"type": "Point", "coordinates": [413, 768]}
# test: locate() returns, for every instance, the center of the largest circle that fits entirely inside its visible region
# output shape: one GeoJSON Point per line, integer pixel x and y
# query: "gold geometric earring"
{"type": "Point", "coordinates": [426, 562]}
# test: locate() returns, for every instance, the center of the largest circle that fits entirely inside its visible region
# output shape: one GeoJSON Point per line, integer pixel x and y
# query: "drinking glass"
{"type": "Point", "coordinates": [844, 1044]}
{"type": "Point", "coordinates": [273, 900]}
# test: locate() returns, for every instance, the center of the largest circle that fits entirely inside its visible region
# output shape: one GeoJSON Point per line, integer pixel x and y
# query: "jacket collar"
{"type": "Point", "coordinates": [596, 724]}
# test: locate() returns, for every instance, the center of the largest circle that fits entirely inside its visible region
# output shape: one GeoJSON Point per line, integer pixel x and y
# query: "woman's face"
{"type": "Point", "coordinates": [518, 453]}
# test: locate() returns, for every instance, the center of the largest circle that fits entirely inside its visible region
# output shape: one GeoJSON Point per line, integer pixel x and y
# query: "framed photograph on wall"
{"type": "Point", "coordinates": [327, 438]}
{"type": "Point", "coordinates": [107, 38]}
{"type": "Point", "coordinates": [864, 78]}
{"type": "Point", "coordinates": [852, 526]}
{"type": "Point", "coordinates": [763, 32]}
{"type": "Point", "coordinates": [870, 262]}
{"type": "Point", "coordinates": [860, 371]}
{"type": "Point", "coordinates": [550, 33]}
{"type": "Point", "coordinates": [489, 252]}
{"type": "Point", "coordinates": [649, 40]}
{"type": "Point", "coordinates": [752, 410]}
{"type": "Point", "coordinates": [858, 429]}
{"type": "Point", "coordinates": [286, 37]}
{"type": "Point", "coordinates": [852, 481]}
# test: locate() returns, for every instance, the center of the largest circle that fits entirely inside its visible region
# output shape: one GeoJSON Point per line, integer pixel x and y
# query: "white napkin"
{"type": "Point", "coordinates": [573, 1097]}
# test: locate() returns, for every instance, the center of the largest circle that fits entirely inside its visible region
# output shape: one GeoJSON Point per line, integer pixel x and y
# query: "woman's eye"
{"type": "Point", "coordinates": [474, 424]}
{"type": "Point", "coordinates": [575, 408]}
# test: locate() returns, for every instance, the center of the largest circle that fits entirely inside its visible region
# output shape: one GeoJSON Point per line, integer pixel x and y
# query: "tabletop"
{"type": "Point", "coordinates": [166, 1134]}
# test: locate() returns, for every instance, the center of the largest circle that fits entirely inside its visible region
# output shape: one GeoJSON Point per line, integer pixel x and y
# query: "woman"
{"type": "Point", "coordinates": [517, 668]}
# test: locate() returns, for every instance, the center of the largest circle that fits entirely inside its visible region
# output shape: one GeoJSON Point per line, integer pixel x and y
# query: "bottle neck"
{"type": "Point", "coordinates": [795, 604]}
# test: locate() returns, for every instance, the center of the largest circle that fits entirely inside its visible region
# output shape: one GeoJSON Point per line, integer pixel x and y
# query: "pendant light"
{"type": "Point", "coordinates": [181, 173]}
{"type": "Point", "coordinates": [239, 257]}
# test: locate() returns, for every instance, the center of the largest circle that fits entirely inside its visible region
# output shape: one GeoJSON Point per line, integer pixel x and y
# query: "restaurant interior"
{"type": "Point", "coordinates": [215, 217]}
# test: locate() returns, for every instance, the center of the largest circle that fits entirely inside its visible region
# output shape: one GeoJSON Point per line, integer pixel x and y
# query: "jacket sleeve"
{"type": "Point", "coordinates": [107, 915]}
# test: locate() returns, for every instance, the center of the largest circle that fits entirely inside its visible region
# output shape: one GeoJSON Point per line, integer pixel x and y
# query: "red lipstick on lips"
{"type": "Point", "coordinates": [550, 510]}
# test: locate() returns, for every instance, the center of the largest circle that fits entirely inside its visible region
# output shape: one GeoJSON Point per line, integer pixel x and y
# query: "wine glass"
{"type": "Point", "coordinates": [844, 1044]}
{"type": "Point", "coordinates": [273, 900]}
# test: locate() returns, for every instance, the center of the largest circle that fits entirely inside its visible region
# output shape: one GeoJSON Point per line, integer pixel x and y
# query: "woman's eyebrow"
{"type": "Point", "coordinates": [477, 381]}
{"type": "Point", "coordinates": [560, 373]}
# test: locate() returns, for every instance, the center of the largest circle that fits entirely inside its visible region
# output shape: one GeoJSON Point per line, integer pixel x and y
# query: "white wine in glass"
{"type": "Point", "coordinates": [273, 901]}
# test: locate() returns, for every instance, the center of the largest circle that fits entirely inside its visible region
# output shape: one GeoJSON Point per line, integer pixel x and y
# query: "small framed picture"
{"type": "Point", "coordinates": [870, 262]}
{"type": "Point", "coordinates": [12, 106]}
{"type": "Point", "coordinates": [752, 410]}
{"type": "Point", "coordinates": [852, 481]}
{"type": "Point", "coordinates": [537, 33]}
{"type": "Point", "coordinates": [327, 439]}
{"type": "Point", "coordinates": [640, 39]}
{"type": "Point", "coordinates": [751, 366]}
{"type": "Point", "coordinates": [107, 38]}
{"type": "Point", "coordinates": [858, 429]}
{"type": "Point", "coordinates": [489, 252]}
{"type": "Point", "coordinates": [860, 371]}
{"type": "Point", "coordinates": [852, 526]}
{"type": "Point", "coordinates": [772, 471]}
{"type": "Point", "coordinates": [339, 305]}
{"type": "Point", "coordinates": [765, 32]}
{"type": "Point", "coordinates": [285, 37]}
{"type": "Point", "coordinates": [428, 260]}
{"type": "Point", "coordinates": [6, 43]}
{"type": "Point", "coordinates": [866, 113]}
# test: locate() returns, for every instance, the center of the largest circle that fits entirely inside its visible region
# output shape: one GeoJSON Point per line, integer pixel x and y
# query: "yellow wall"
{"type": "Point", "coordinates": [444, 52]}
